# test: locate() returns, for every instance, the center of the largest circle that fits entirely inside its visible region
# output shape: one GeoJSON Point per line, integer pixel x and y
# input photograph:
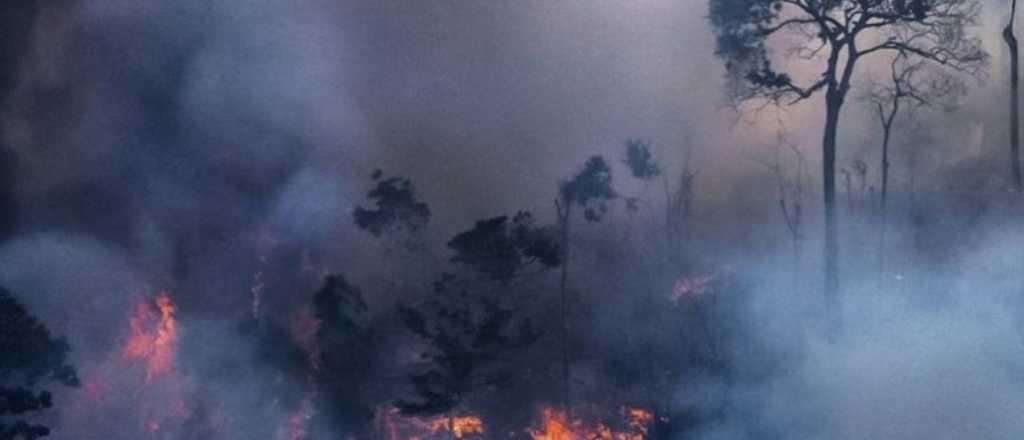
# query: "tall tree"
{"type": "Point", "coordinates": [908, 82]}
{"type": "Point", "coordinates": [342, 370]}
{"type": "Point", "coordinates": [465, 323]}
{"type": "Point", "coordinates": [1011, 44]}
{"type": "Point", "coordinates": [29, 355]}
{"type": "Point", "coordinates": [589, 189]}
{"type": "Point", "coordinates": [466, 333]}
{"type": "Point", "coordinates": [837, 35]}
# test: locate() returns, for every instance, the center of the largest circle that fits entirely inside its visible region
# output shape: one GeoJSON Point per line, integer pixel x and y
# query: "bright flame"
{"type": "Point", "coordinates": [556, 425]}
{"type": "Point", "coordinates": [462, 425]}
{"type": "Point", "coordinates": [639, 419]}
{"type": "Point", "coordinates": [154, 333]}
{"type": "Point", "coordinates": [395, 426]}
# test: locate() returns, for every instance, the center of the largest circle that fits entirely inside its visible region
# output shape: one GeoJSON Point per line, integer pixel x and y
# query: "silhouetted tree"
{"type": "Point", "coordinates": [466, 335]}
{"type": "Point", "coordinates": [467, 323]}
{"type": "Point", "coordinates": [501, 249]}
{"type": "Point", "coordinates": [932, 30]}
{"type": "Point", "coordinates": [590, 189]}
{"type": "Point", "coordinates": [1011, 44]}
{"type": "Point", "coordinates": [396, 207]}
{"type": "Point", "coordinates": [639, 160]}
{"type": "Point", "coordinates": [907, 82]}
{"type": "Point", "coordinates": [29, 355]}
{"type": "Point", "coordinates": [790, 191]}
{"type": "Point", "coordinates": [344, 350]}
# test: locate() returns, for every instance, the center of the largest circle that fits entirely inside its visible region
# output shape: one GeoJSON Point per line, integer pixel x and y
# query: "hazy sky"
{"type": "Point", "coordinates": [179, 140]}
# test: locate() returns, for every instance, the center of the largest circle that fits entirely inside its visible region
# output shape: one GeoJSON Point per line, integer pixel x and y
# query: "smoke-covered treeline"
{"type": "Point", "coordinates": [321, 219]}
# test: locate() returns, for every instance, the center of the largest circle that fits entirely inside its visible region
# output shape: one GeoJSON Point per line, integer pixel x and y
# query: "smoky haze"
{"type": "Point", "coordinates": [188, 146]}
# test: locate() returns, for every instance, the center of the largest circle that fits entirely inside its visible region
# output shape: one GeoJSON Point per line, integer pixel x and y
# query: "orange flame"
{"type": "Point", "coordinates": [461, 426]}
{"type": "Point", "coordinates": [154, 332]}
{"type": "Point", "coordinates": [395, 426]}
{"type": "Point", "coordinates": [556, 425]}
{"type": "Point", "coordinates": [640, 420]}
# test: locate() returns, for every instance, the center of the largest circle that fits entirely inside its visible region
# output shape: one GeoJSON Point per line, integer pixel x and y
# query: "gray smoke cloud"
{"type": "Point", "coordinates": [189, 145]}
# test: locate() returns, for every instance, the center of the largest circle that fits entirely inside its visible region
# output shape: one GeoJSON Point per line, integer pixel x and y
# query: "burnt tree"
{"type": "Point", "coordinates": [1011, 44]}
{"type": "Point", "coordinates": [837, 36]}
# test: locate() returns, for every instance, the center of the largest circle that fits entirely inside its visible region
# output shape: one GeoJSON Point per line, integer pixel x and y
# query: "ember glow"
{"type": "Point", "coordinates": [395, 426]}
{"type": "Point", "coordinates": [557, 425]}
{"type": "Point", "coordinates": [689, 288]}
{"type": "Point", "coordinates": [154, 333]}
{"type": "Point", "coordinates": [539, 220]}
{"type": "Point", "coordinates": [304, 328]}
{"type": "Point", "coordinates": [298, 423]}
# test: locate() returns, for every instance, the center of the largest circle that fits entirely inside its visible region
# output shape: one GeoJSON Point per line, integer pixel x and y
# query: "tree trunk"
{"type": "Point", "coordinates": [833, 104]}
{"type": "Point", "coordinates": [883, 202]}
{"type": "Point", "coordinates": [1011, 43]}
{"type": "Point", "coordinates": [564, 210]}
{"type": "Point", "coordinates": [887, 130]}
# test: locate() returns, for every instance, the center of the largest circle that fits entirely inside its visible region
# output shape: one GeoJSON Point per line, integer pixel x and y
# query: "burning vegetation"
{"type": "Point", "coordinates": [602, 306]}
{"type": "Point", "coordinates": [557, 425]}
{"type": "Point", "coordinates": [154, 333]}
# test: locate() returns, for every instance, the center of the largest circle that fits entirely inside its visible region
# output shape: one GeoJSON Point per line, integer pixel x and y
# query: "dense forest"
{"type": "Point", "coordinates": [617, 220]}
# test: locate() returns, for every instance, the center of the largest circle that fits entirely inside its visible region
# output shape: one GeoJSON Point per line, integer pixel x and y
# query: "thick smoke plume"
{"type": "Point", "coordinates": [211, 153]}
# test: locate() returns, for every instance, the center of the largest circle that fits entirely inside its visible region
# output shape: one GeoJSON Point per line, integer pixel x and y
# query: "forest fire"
{"type": "Point", "coordinates": [557, 425]}
{"type": "Point", "coordinates": [154, 332]}
{"type": "Point", "coordinates": [395, 426]}
{"type": "Point", "coordinates": [554, 424]}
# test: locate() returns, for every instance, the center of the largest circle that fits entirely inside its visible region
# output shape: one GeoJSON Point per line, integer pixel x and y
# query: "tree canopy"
{"type": "Point", "coordinates": [396, 207]}
{"type": "Point", "coordinates": [934, 30]}
{"type": "Point", "coordinates": [29, 355]}
{"type": "Point", "coordinates": [498, 248]}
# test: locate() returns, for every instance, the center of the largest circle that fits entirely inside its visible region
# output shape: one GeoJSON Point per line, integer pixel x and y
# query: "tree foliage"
{"type": "Point", "coordinates": [343, 341]}
{"type": "Point", "coordinates": [933, 30]}
{"type": "Point", "coordinates": [465, 336]}
{"type": "Point", "coordinates": [29, 355]}
{"type": "Point", "coordinates": [590, 189]}
{"type": "Point", "coordinates": [396, 207]}
{"type": "Point", "coordinates": [500, 249]}
{"type": "Point", "coordinates": [639, 160]}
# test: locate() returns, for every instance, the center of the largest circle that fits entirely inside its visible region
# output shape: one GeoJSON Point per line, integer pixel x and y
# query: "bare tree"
{"type": "Point", "coordinates": [1011, 44]}
{"type": "Point", "coordinates": [790, 188]}
{"type": "Point", "coordinates": [837, 35]}
{"type": "Point", "coordinates": [913, 83]}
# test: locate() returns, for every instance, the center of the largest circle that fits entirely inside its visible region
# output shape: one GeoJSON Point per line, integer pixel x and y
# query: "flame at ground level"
{"type": "Point", "coordinates": [395, 426]}
{"type": "Point", "coordinates": [554, 424]}
{"type": "Point", "coordinates": [557, 425]}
